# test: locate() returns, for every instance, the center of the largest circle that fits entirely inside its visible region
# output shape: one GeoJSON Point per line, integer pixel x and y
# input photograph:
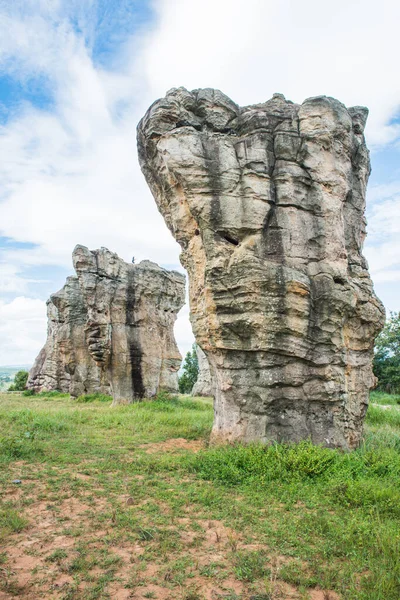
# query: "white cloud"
{"type": "Point", "coordinates": [183, 331]}
{"type": "Point", "coordinates": [70, 173]}
{"type": "Point", "coordinates": [383, 242]}
{"type": "Point", "coordinates": [22, 330]}
{"type": "Point", "coordinates": [12, 281]}
{"type": "Point", "coordinates": [72, 176]}
{"type": "Point", "coordinates": [252, 48]}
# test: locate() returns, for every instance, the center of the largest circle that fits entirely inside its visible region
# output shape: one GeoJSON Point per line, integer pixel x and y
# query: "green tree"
{"type": "Point", "coordinates": [20, 380]}
{"type": "Point", "coordinates": [387, 355]}
{"type": "Point", "coordinates": [190, 372]}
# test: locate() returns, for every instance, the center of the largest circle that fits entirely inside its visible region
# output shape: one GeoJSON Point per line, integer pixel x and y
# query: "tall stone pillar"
{"type": "Point", "coordinates": [267, 202]}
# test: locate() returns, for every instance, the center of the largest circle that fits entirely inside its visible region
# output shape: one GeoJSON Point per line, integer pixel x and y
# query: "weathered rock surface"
{"type": "Point", "coordinates": [64, 363]}
{"type": "Point", "coordinates": [131, 314]}
{"type": "Point", "coordinates": [203, 385]}
{"type": "Point", "coordinates": [267, 202]}
{"type": "Point", "coordinates": [111, 330]}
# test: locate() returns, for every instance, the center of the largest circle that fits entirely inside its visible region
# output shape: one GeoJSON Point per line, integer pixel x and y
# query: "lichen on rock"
{"type": "Point", "coordinates": [267, 202]}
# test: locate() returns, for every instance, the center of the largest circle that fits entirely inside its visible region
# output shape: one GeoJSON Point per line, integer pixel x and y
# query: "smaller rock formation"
{"type": "Point", "coordinates": [111, 329]}
{"type": "Point", "coordinates": [131, 310]}
{"type": "Point", "coordinates": [203, 385]}
{"type": "Point", "coordinates": [64, 363]}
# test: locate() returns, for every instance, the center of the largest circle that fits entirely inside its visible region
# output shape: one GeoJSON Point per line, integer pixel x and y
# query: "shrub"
{"type": "Point", "coordinates": [28, 393]}
{"type": "Point", "coordinates": [20, 381]}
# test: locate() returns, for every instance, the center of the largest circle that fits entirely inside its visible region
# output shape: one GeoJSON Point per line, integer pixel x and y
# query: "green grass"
{"type": "Point", "coordinates": [250, 565]}
{"type": "Point", "coordinates": [309, 516]}
{"type": "Point", "coordinates": [383, 398]}
{"type": "Point", "coordinates": [94, 398]}
{"type": "Point", "coordinates": [10, 521]}
{"type": "Point", "coordinates": [44, 395]}
{"type": "Point", "coordinates": [380, 416]}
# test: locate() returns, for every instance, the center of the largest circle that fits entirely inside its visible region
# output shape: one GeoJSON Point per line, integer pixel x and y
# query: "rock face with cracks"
{"type": "Point", "coordinates": [267, 202]}
{"type": "Point", "coordinates": [110, 330]}
{"type": "Point", "coordinates": [203, 385]}
{"type": "Point", "coordinates": [131, 311]}
{"type": "Point", "coordinates": [64, 363]}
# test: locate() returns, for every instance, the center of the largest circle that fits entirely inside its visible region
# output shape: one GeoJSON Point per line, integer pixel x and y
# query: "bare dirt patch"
{"type": "Point", "coordinates": [173, 445]}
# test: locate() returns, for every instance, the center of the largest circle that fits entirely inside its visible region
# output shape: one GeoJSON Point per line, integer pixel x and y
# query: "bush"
{"type": "Point", "coordinates": [28, 393]}
{"type": "Point", "coordinates": [20, 381]}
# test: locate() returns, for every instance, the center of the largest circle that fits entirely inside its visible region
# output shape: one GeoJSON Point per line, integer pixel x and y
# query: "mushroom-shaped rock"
{"type": "Point", "coordinates": [267, 202]}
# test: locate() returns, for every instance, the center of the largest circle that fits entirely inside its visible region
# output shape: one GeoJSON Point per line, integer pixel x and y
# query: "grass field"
{"type": "Point", "coordinates": [129, 502]}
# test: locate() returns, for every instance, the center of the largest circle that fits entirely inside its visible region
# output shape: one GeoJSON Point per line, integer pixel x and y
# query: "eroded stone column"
{"type": "Point", "coordinates": [64, 363]}
{"type": "Point", "coordinates": [131, 309]}
{"type": "Point", "coordinates": [204, 385]}
{"type": "Point", "coordinates": [267, 202]}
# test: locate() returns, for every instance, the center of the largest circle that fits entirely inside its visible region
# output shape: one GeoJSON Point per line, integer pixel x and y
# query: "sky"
{"type": "Point", "coordinates": [77, 75]}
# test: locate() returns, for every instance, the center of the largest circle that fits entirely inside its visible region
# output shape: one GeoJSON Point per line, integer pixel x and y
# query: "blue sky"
{"type": "Point", "coordinates": [76, 76]}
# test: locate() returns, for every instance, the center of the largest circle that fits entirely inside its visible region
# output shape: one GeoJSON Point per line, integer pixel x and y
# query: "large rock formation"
{"type": "Point", "coordinates": [110, 329]}
{"type": "Point", "coordinates": [267, 202]}
{"type": "Point", "coordinates": [131, 314]}
{"type": "Point", "coordinates": [64, 363]}
{"type": "Point", "coordinates": [203, 385]}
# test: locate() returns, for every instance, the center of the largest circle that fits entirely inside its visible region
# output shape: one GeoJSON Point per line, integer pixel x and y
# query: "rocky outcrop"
{"type": "Point", "coordinates": [64, 363]}
{"type": "Point", "coordinates": [131, 311]}
{"type": "Point", "coordinates": [110, 330]}
{"type": "Point", "coordinates": [203, 385]}
{"type": "Point", "coordinates": [267, 202]}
